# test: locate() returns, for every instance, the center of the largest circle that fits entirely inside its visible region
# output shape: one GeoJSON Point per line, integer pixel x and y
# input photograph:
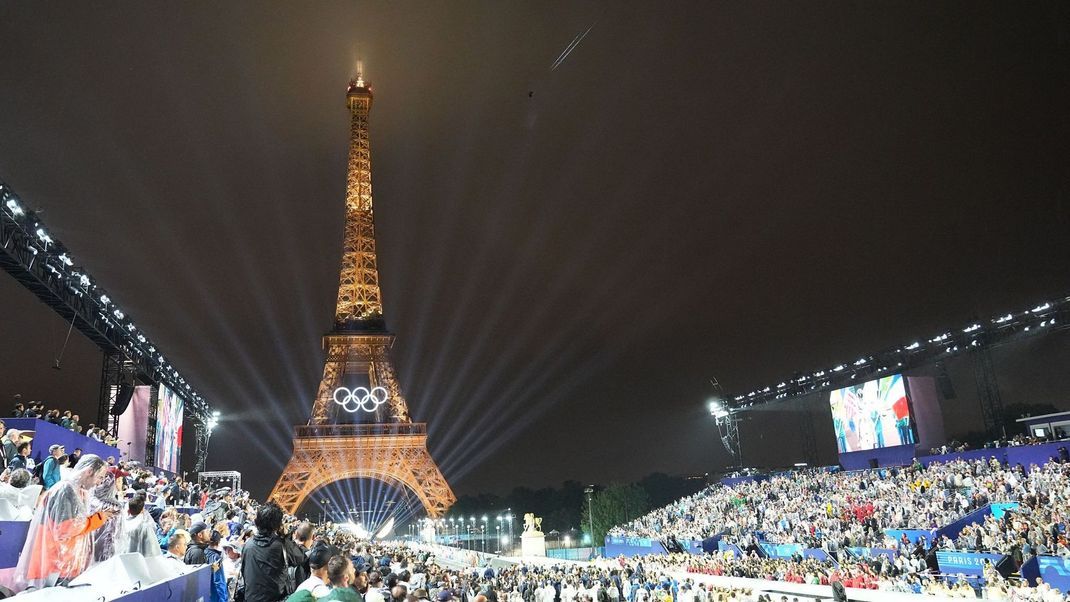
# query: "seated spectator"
{"type": "Point", "coordinates": [176, 547]}
{"type": "Point", "coordinates": [16, 489]}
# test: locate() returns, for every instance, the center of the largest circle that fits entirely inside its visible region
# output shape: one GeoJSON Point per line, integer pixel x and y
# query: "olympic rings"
{"type": "Point", "coordinates": [360, 398]}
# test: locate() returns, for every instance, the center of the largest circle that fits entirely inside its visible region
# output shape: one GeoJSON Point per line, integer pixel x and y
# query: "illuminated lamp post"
{"type": "Point", "coordinates": [590, 514]}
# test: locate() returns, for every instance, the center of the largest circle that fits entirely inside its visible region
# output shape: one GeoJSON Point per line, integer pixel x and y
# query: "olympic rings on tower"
{"type": "Point", "coordinates": [360, 398]}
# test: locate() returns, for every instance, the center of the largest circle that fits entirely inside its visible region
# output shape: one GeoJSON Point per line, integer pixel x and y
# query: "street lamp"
{"type": "Point", "coordinates": [510, 518]}
{"type": "Point", "coordinates": [590, 513]}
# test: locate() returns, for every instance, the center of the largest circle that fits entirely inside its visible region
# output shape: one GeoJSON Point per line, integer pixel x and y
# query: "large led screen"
{"type": "Point", "coordinates": [168, 430]}
{"type": "Point", "coordinates": [872, 414]}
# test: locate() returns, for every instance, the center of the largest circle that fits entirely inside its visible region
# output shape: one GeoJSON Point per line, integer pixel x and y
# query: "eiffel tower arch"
{"type": "Point", "coordinates": [360, 425]}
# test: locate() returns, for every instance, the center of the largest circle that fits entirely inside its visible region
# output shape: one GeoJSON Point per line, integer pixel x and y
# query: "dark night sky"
{"type": "Point", "coordinates": [738, 190]}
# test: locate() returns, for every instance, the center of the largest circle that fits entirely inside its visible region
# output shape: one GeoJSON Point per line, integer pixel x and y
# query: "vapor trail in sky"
{"type": "Point", "coordinates": [571, 46]}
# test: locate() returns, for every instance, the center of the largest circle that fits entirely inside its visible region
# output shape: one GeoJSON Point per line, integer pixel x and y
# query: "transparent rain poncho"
{"type": "Point", "coordinates": [105, 496]}
{"type": "Point", "coordinates": [59, 544]}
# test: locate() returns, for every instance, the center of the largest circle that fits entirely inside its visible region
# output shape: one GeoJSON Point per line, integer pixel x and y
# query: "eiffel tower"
{"type": "Point", "coordinates": [360, 425]}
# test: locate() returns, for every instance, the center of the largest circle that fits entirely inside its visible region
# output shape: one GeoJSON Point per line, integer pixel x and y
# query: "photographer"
{"type": "Point", "coordinates": [265, 559]}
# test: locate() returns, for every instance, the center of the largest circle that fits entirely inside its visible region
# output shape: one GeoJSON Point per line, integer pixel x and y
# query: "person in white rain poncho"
{"type": "Point", "coordinates": [139, 530]}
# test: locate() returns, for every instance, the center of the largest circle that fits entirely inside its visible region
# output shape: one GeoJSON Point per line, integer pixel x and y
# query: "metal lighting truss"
{"type": "Point", "coordinates": [975, 338]}
{"type": "Point", "coordinates": [44, 266]}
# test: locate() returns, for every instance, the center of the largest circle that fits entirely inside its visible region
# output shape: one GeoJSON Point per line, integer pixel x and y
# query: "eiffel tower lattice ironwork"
{"type": "Point", "coordinates": [360, 425]}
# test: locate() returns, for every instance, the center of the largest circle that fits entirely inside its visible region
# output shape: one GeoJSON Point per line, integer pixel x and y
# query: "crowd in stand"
{"type": "Point", "coordinates": [90, 509]}
{"type": "Point", "coordinates": [836, 510]}
{"type": "Point", "coordinates": [954, 446]}
{"type": "Point", "coordinates": [1036, 527]}
{"type": "Point", "coordinates": [257, 553]}
{"type": "Point", "coordinates": [16, 452]}
{"type": "Point", "coordinates": [880, 573]}
{"type": "Point", "coordinates": [66, 419]}
{"type": "Point", "coordinates": [111, 508]}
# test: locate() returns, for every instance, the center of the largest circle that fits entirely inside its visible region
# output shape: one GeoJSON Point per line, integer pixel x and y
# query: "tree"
{"type": "Point", "coordinates": [612, 506]}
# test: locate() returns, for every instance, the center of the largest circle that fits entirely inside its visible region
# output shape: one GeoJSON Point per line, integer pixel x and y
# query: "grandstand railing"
{"type": "Point", "coordinates": [360, 430]}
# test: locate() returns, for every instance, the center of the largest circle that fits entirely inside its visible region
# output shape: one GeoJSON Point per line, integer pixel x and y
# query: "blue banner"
{"type": "Point", "coordinates": [967, 563]}
{"type": "Point", "coordinates": [632, 546]}
{"type": "Point", "coordinates": [977, 517]}
{"type": "Point", "coordinates": [998, 510]}
{"type": "Point", "coordinates": [1055, 571]}
{"type": "Point", "coordinates": [12, 537]}
{"type": "Point", "coordinates": [1030, 571]}
{"type": "Point", "coordinates": [817, 553]}
{"type": "Point", "coordinates": [724, 546]}
{"type": "Point", "coordinates": [638, 546]}
{"type": "Point", "coordinates": [196, 585]}
{"type": "Point", "coordinates": [781, 550]}
{"type": "Point", "coordinates": [710, 544]}
{"type": "Point", "coordinates": [692, 546]}
{"type": "Point", "coordinates": [638, 542]}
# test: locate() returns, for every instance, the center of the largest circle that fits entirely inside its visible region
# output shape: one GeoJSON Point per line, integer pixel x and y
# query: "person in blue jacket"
{"type": "Point", "coordinates": [50, 474]}
{"type": "Point", "coordinates": [214, 554]}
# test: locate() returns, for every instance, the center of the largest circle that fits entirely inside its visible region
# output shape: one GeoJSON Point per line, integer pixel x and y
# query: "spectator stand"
{"type": "Point", "coordinates": [46, 434]}
{"type": "Point", "coordinates": [1013, 455]}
